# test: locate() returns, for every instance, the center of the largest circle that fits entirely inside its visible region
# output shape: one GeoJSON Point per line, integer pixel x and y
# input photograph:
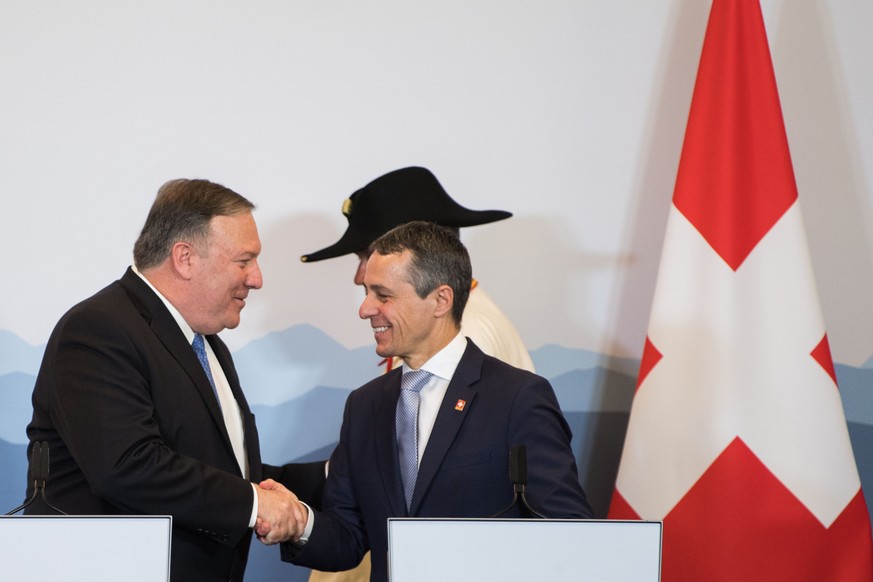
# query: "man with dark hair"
{"type": "Point", "coordinates": [414, 193]}
{"type": "Point", "coordinates": [434, 259]}
{"type": "Point", "coordinates": [401, 196]}
{"type": "Point", "coordinates": [140, 404]}
{"type": "Point", "coordinates": [432, 438]}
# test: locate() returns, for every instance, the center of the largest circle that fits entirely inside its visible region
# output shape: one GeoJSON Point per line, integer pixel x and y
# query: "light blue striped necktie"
{"type": "Point", "coordinates": [200, 349]}
{"type": "Point", "coordinates": [407, 428]}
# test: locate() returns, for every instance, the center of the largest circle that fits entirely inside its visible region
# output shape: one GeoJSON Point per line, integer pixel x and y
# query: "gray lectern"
{"type": "Point", "coordinates": [557, 550]}
{"type": "Point", "coordinates": [86, 548]}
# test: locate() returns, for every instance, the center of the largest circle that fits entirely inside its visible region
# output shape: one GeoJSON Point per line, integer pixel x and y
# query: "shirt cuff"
{"type": "Point", "coordinates": [310, 522]}
{"type": "Point", "coordinates": [254, 517]}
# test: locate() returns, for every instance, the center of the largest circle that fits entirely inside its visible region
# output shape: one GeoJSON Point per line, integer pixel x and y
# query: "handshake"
{"type": "Point", "coordinates": [281, 516]}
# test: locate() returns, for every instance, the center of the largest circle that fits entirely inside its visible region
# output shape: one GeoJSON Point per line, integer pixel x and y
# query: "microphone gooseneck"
{"type": "Point", "coordinates": [39, 471]}
{"type": "Point", "coordinates": [518, 476]}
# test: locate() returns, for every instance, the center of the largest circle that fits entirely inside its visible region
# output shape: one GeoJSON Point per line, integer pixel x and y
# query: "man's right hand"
{"type": "Point", "coordinates": [281, 516]}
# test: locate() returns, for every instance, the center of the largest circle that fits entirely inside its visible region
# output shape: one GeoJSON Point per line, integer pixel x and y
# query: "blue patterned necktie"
{"type": "Point", "coordinates": [407, 428]}
{"type": "Point", "coordinates": [200, 350]}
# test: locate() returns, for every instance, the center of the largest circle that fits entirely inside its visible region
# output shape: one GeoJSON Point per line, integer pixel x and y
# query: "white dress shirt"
{"type": "Point", "coordinates": [442, 366]}
{"type": "Point", "coordinates": [229, 406]}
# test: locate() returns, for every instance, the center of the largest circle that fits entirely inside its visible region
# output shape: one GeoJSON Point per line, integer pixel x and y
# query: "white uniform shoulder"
{"type": "Point", "coordinates": [491, 330]}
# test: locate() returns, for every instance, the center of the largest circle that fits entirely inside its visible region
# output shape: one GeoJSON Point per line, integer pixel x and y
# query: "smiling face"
{"type": "Point", "coordinates": [404, 324]}
{"type": "Point", "coordinates": [223, 273]}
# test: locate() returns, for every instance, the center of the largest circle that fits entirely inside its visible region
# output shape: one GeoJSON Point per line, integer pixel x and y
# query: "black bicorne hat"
{"type": "Point", "coordinates": [396, 198]}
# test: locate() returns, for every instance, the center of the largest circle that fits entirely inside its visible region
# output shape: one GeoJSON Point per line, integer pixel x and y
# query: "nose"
{"type": "Point", "coordinates": [254, 279]}
{"type": "Point", "coordinates": [368, 308]}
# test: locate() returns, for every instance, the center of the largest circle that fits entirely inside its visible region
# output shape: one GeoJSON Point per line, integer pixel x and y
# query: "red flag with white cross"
{"type": "Point", "coordinates": [737, 438]}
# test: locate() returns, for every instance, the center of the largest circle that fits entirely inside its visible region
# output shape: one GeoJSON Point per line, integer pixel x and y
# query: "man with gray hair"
{"type": "Point", "coordinates": [139, 402]}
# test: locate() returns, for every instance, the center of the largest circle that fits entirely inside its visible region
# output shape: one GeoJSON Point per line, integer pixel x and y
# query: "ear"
{"type": "Point", "coordinates": [182, 258]}
{"type": "Point", "coordinates": [445, 298]}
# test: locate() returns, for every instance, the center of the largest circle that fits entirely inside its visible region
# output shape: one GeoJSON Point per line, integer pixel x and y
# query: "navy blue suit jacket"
{"type": "Point", "coordinates": [133, 427]}
{"type": "Point", "coordinates": [464, 470]}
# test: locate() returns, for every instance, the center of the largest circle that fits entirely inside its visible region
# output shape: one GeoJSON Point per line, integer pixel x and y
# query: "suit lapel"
{"type": "Point", "coordinates": [386, 441]}
{"type": "Point", "coordinates": [449, 420]}
{"type": "Point", "coordinates": [168, 333]}
{"type": "Point", "coordinates": [250, 431]}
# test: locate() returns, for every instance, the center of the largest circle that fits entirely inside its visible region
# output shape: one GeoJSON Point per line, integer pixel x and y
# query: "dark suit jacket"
{"type": "Point", "coordinates": [133, 427]}
{"type": "Point", "coordinates": [464, 471]}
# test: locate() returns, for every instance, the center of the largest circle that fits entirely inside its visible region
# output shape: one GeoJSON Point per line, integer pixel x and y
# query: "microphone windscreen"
{"type": "Point", "coordinates": [518, 464]}
{"type": "Point", "coordinates": [44, 466]}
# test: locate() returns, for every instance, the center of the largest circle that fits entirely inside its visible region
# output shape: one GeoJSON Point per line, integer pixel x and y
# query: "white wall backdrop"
{"type": "Point", "coordinates": [569, 113]}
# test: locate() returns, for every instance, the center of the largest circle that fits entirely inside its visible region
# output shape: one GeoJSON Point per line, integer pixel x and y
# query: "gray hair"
{"type": "Point", "coordinates": [182, 211]}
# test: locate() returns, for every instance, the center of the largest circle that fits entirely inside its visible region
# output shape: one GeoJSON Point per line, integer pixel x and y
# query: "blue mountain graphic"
{"type": "Point", "coordinates": [16, 355]}
{"type": "Point", "coordinates": [856, 390]}
{"type": "Point", "coordinates": [297, 381]}
{"type": "Point", "coordinates": [287, 364]}
{"type": "Point", "coordinates": [13, 485]}
{"type": "Point", "coordinates": [16, 408]}
{"type": "Point", "coordinates": [301, 428]}
{"type": "Point", "coordinates": [594, 390]}
{"type": "Point", "coordinates": [552, 360]}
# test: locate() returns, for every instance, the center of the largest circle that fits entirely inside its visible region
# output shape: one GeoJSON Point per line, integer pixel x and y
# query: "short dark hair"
{"type": "Point", "coordinates": [438, 257]}
{"type": "Point", "coordinates": [182, 210]}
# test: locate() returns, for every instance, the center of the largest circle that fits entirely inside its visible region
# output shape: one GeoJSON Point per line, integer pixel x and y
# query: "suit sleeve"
{"type": "Point", "coordinates": [338, 540]}
{"type": "Point", "coordinates": [536, 421]}
{"type": "Point", "coordinates": [102, 389]}
{"type": "Point", "coordinates": [305, 480]}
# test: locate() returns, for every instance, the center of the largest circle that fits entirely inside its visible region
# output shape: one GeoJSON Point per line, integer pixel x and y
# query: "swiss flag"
{"type": "Point", "coordinates": [737, 438]}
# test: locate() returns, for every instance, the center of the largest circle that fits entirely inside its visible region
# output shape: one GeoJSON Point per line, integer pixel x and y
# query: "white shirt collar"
{"type": "Point", "coordinates": [183, 325]}
{"type": "Point", "coordinates": [443, 363]}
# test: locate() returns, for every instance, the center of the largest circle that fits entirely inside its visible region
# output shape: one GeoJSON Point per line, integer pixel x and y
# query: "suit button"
{"type": "Point", "coordinates": [225, 538]}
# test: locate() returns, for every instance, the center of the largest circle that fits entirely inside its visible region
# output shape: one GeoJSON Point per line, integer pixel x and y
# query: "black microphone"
{"type": "Point", "coordinates": [518, 467]}
{"type": "Point", "coordinates": [518, 476]}
{"type": "Point", "coordinates": [39, 462]}
{"type": "Point", "coordinates": [39, 471]}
